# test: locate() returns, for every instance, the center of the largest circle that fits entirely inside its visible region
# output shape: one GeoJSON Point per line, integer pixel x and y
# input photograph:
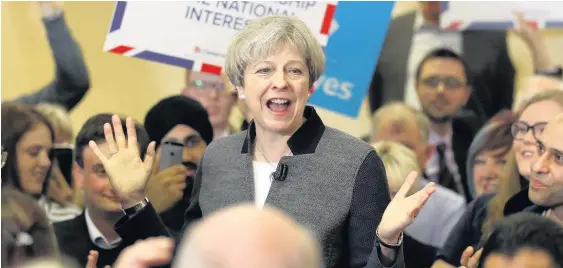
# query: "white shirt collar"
{"type": "Point", "coordinates": [226, 133]}
{"type": "Point", "coordinates": [97, 237]}
{"type": "Point", "coordinates": [418, 21]}
{"type": "Point", "coordinates": [436, 139]}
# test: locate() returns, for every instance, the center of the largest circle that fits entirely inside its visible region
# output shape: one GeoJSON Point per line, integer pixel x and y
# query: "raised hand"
{"type": "Point", "coordinates": [49, 8]}
{"type": "Point", "coordinates": [402, 210]}
{"type": "Point", "coordinates": [128, 174]}
{"type": "Point", "coordinates": [470, 260]}
{"type": "Point", "coordinates": [529, 33]}
{"type": "Point", "coordinates": [146, 253]}
{"type": "Point", "coordinates": [533, 38]}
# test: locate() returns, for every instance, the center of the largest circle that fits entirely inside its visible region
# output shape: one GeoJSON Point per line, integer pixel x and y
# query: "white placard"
{"type": "Point", "coordinates": [500, 15]}
{"type": "Point", "coordinates": [198, 33]}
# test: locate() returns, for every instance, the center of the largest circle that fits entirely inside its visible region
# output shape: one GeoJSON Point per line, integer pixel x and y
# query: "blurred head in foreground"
{"type": "Point", "coordinates": [245, 236]}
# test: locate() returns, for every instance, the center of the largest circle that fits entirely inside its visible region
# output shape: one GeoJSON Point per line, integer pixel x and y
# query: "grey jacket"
{"type": "Point", "coordinates": [71, 79]}
{"type": "Point", "coordinates": [335, 186]}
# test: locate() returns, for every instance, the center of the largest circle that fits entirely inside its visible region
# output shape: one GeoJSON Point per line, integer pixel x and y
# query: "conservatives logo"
{"type": "Point", "coordinates": [207, 52]}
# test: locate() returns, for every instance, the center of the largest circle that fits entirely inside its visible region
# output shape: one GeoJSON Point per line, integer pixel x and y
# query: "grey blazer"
{"type": "Point", "coordinates": [335, 186]}
{"type": "Point", "coordinates": [485, 52]}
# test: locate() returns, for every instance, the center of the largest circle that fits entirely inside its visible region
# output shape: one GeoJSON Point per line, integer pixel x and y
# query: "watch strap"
{"type": "Point", "coordinates": [136, 208]}
{"type": "Point", "coordinates": [391, 246]}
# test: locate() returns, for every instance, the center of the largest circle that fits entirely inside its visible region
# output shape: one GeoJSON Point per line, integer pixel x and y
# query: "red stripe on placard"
{"type": "Point", "coordinates": [121, 49]}
{"type": "Point", "coordinates": [532, 24]}
{"type": "Point", "coordinates": [209, 68]}
{"type": "Point", "coordinates": [329, 15]}
{"type": "Point", "coordinates": [454, 25]}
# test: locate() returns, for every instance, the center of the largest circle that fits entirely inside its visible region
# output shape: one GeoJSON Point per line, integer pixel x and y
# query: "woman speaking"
{"type": "Point", "coordinates": [330, 182]}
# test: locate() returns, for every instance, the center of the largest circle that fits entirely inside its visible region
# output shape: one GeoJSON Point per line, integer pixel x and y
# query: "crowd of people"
{"type": "Point", "coordinates": [455, 172]}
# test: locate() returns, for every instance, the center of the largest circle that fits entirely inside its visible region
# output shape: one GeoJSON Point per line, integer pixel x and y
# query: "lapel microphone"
{"type": "Point", "coordinates": [281, 172]}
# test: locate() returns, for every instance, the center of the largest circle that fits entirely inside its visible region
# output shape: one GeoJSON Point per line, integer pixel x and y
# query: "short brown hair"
{"type": "Point", "coordinates": [499, 135]}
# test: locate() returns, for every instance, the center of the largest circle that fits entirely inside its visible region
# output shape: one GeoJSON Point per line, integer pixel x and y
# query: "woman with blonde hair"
{"type": "Point", "coordinates": [486, 210]}
{"type": "Point", "coordinates": [398, 161]}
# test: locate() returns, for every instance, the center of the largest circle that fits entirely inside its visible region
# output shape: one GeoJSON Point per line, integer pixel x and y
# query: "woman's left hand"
{"type": "Point", "coordinates": [402, 210]}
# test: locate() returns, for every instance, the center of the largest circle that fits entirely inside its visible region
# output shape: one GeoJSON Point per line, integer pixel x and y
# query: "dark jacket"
{"type": "Point", "coordinates": [464, 126]}
{"type": "Point", "coordinates": [74, 241]}
{"type": "Point", "coordinates": [467, 231]}
{"type": "Point", "coordinates": [417, 254]}
{"type": "Point", "coordinates": [520, 202]}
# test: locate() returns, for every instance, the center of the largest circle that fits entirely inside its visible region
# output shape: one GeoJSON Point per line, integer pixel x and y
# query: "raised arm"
{"type": "Point", "coordinates": [71, 79]}
{"type": "Point", "coordinates": [128, 176]}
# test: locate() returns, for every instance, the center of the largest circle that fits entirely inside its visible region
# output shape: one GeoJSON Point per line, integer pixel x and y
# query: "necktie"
{"type": "Point", "coordinates": [445, 177]}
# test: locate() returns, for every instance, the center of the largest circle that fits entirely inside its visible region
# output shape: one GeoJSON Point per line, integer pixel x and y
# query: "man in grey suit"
{"type": "Point", "coordinates": [410, 37]}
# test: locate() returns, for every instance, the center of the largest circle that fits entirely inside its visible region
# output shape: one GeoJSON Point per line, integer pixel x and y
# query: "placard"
{"type": "Point", "coordinates": [196, 35]}
{"type": "Point", "coordinates": [493, 15]}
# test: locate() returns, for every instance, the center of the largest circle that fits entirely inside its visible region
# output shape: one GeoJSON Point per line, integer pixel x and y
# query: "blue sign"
{"type": "Point", "coordinates": [351, 55]}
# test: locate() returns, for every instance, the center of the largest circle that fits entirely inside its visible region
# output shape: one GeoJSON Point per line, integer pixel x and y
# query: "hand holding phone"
{"type": "Point", "coordinates": [171, 154]}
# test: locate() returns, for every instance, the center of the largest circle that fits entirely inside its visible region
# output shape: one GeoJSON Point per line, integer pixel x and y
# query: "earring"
{"type": "Point", "coordinates": [242, 96]}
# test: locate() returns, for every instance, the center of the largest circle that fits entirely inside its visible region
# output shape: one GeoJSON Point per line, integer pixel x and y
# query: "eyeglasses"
{"type": "Point", "coordinates": [203, 87]}
{"type": "Point", "coordinates": [520, 129]}
{"type": "Point", "coordinates": [450, 82]}
{"type": "Point", "coordinates": [190, 141]}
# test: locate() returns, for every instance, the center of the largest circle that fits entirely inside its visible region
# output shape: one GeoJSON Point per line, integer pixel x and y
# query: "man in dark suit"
{"type": "Point", "coordinates": [93, 229]}
{"type": "Point", "coordinates": [443, 87]}
{"type": "Point", "coordinates": [413, 35]}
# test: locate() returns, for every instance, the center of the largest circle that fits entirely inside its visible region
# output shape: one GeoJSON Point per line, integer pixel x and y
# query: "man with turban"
{"type": "Point", "coordinates": [181, 120]}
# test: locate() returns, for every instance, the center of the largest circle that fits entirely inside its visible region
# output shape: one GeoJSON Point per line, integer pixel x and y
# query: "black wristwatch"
{"type": "Point", "coordinates": [391, 246]}
{"type": "Point", "coordinates": [132, 211]}
{"type": "Point", "coordinates": [555, 72]}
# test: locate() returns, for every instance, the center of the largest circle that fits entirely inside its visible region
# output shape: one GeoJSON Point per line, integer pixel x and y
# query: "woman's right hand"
{"type": "Point", "coordinates": [402, 210]}
{"type": "Point", "coordinates": [128, 174]}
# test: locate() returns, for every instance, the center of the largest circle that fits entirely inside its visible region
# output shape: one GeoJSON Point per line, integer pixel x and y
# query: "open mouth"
{"type": "Point", "coordinates": [278, 105]}
{"type": "Point", "coordinates": [527, 154]}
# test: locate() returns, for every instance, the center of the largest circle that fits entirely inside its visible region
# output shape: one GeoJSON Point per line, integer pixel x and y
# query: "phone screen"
{"type": "Point", "coordinates": [171, 154]}
{"type": "Point", "coordinates": [64, 157]}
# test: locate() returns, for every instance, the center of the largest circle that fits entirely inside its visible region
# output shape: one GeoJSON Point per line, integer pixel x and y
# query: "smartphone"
{"type": "Point", "coordinates": [171, 154]}
{"type": "Point", "coordinates": [64, 154]}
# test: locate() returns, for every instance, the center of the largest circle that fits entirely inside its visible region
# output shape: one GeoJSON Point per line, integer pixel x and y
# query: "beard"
{"type": "Point", "coordinates": [189, 182]}
{"type": "Point", "coordinates": [173, 218]}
